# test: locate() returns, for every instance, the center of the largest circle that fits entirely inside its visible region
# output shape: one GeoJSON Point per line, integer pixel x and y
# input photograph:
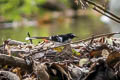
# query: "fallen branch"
{"type": "Point", "coordinates": [13, 61]}
{"type": "Point", "coordinates": [83, 40]}
{"type": "Point", "coordinates": [13, 42]}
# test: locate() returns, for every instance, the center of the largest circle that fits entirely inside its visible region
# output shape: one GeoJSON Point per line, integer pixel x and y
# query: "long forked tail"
{"type": "Point", "coordinates": [30, 38]}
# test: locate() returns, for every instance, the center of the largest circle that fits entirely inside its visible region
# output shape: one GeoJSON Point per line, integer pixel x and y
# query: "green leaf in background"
{"type": "Point", "coordinates": [40, 1]}
{"type": "Point", "coordinates": [13, 9]}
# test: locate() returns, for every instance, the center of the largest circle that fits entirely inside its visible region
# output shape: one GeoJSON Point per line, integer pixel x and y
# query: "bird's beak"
{"type": "Point", "coordinates": [76, 37]}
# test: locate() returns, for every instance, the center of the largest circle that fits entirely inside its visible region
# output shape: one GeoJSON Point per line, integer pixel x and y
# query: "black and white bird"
{"type": "Point", "coordinates": [63, 38]}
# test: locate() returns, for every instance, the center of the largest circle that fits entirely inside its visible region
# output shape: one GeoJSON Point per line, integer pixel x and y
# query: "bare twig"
{"type": "Point", "coordinates": [30, 39]}
{"type": "Point", "coordinates": [106, 15]}
{"type": "Point", "coordinates": [101, 8]}
{"type": "Point", "coordinates": [83, 40]}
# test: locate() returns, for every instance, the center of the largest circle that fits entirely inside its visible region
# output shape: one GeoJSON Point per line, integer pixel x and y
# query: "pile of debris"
{"type": "Point", "coordinates": [95, 58]}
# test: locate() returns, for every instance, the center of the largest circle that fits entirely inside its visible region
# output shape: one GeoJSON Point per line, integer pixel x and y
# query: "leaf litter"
{"type": "Point", "coordinates": [97, 58]}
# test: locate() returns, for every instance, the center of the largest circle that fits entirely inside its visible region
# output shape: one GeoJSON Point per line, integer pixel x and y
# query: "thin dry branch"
{"type": "Point", "coordinates": [83, 40]}
{"type": "Point", "coordinates": [30, 39]}
{"type": "Point", "coordinates": [106, 15]}
{"type": "Point", "coordinates": [101, 8]}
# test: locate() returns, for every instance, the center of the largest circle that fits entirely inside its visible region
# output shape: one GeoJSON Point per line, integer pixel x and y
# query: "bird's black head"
{"type": "Point", "coordinates": [71, 35]}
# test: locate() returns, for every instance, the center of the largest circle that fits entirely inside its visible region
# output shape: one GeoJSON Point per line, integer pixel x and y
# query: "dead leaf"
{"type": "Point", "coordinates": [113, 58]}
{"type": "Point", "coordinates": [60, 72]}
{"type": "Point", "coordinates": [96, 53]}
{"type": "Point", "coordinates": [58, 49]}
{"type": "Point", "coordinates": [67, 50]}
{"type": "Point", "coordinates": [105, 53]}
{"type": "Point", "coordinates": [83, 61]}
{"type": "Point", "coordinates": [17, 70]}
{"type": "Point", "coordinates": [41, 71]}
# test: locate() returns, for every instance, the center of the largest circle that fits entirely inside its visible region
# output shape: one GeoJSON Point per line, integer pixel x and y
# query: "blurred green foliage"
{"type": "Point", "coordinates": [13, 9]}
{"type": "Point", "coordinates": [83, 26]}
